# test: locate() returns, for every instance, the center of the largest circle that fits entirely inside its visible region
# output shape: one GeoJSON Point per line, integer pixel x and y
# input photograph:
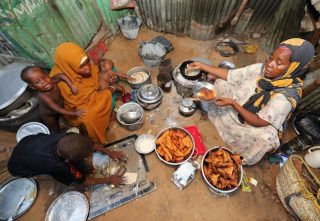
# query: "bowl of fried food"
{"type": "Point", "coordinates": [222, 170]}
{"type": "Point", "coordinates": [174, 145]}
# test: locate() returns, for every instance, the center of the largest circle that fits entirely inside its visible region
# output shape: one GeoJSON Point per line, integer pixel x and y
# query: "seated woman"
{"type": "Point", "coordinates": [254, 102]}
{"type": "Point", "coordinates": [70, 59]}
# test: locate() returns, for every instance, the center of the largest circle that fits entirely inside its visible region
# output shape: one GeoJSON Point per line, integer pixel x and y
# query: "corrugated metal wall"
{"type": "Point", "coordinates": [202, 19]}
{"type": "Point", "coordinates": [37, 27]}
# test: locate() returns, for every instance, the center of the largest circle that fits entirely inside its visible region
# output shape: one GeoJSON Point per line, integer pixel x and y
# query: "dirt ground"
{"type": "Point", "coordinates": [195, 202]}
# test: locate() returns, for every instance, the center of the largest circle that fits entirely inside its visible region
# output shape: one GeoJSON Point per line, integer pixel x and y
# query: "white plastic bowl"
{"type": "Point", "coordinates": [145, 143]}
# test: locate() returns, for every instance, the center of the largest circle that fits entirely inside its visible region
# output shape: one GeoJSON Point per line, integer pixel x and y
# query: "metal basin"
{"type": "Point", "coordinates": [130, 116]}
{"type": "Point", "coordinates": [130, 107]}
{"type": "Point", "coordinates": [13, 93]}
{"type": "Point", "coordinates": [135, 70]}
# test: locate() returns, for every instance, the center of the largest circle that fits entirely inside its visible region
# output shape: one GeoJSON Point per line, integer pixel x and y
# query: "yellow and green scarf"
{"type": "Point", "coordinates": [289, 84]}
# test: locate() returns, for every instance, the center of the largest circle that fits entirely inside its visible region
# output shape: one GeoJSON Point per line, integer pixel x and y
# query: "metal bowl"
{"type": "Point", "coordinates": [227, 64]}
{"type": "Point", "coordinates": [130, 107]}
{"type": "Point", "coordinates": [190, 154]}
{"type": "Point", "coordinates": [142, 141]}
{"type": "Point", "coordinates": [212, 187]}
{"type": "Point", "coordinates": [136, 70]}
{"type": "Point", "coordinates": [130, 117]}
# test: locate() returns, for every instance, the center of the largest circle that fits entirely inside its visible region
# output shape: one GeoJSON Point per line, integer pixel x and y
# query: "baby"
{"type": "Point", "coordinates": [50, 100]}
{"type": "Point", "coordinates": [108, 77]}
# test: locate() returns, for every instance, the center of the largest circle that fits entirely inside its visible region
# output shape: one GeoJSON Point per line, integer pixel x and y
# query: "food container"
{"type": "Point", "coordinates": [204, 104]}
{"type": "Point", "coordinates": [145, 143]}
{"type": "Point", "coordinates": [186, 158]}
{"type": "Point", "coordinates": [149, 96]}
{"type": "Point", "coordinates": [131, 106]}
{"type": "Point", "coordinates": [134, 71]}
{"type": "Point", "coordinates": [183, 86]}
{"type": "Point", "coordinates": [187, 107]}
{"type": "Point", "coordinates": [151, 53]}
{"type": "Point", "coordinates": [212, 187]}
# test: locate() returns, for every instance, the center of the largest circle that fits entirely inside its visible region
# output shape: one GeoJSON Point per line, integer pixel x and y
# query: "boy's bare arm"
{"type": "Point", "coordinates": [55, 107]}
{"type": "Point", "coordinates": [115, 180]}
{"type": "Point", "coordinates": [62, 77]}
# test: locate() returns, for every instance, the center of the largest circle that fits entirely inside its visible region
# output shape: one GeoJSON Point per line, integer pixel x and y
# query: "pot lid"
{"type": "Point", "coordinates": [150, 93]}
{"type": "Point", "coordinates": [187, 102]}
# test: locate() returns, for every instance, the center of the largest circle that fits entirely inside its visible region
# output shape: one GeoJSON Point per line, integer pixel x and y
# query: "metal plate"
{"type": "Point", "coordinates": [71, 206]}
{"type": "Point", "coordinates": [11, 84]}
{"type": "Point", "coordinates": [31, 128]}
{"type": "Point", "coordinates": [12, 192]}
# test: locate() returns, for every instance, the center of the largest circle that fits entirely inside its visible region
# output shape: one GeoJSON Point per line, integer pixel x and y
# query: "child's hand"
{"type": "Point", "coordinates": [74, 90]}
{"type": "Point", "coordinates": [115, 180]}
{"type": "Point", "coordinates": [225, 102]}
{"type": "Point", "coordinates": [117, 155]}
{"type": "Point", "coordinates": [80, 113]}
{"type": "Point", "coordinates": [120, 88]}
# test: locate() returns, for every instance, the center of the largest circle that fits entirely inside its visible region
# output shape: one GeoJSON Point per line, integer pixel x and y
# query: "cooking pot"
{"type": "Point", "coordinates": [136, 70]}
{"type": "Point", "coordinates": [149, 96]}
{"type": "Point", "coordinates": [151, 53]}
{"type": "Point", "coordinates": [212, 187]}
{"type": "Point", "coordinates": [13, 91]}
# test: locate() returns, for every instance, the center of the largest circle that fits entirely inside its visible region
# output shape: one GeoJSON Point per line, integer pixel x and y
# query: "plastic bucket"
{"type": "Point", "coordinates": [129, 26]}
{"type": "Point", "coordinates": [151, 53]}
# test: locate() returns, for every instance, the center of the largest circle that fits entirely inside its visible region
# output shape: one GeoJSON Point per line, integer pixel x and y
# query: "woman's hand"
{"type": "Point", "coordinates": [74, 90]}
{"type": "Point", "coordinates": [196, 65]}
{"type": "Point", "coordinates": [80, 113]}
{"type": "Point", "coordinates": [225, 102]}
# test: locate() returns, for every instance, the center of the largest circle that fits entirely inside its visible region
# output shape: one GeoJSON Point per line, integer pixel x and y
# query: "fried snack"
{"type": "Point", "coordinates": [206, 94]}
{"type": "Point", "coordinates": [222, 168]}
{"type": "Point", "coordinates": [174, 145]}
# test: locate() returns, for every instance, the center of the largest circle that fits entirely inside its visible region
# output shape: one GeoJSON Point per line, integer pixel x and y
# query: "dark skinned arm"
{"type": "Point", "coordinates": [52, 105]}
{"type": "Point", "coordinates": [115, 155]}
{"type": "Point", "coordinates": [115, 180]}
{"type": "Point", "coordinates": [221, 73]}
{"type": "Point", "coordinates": [249, 117]}
{"type": "Point", "coordinates": [62, 77]}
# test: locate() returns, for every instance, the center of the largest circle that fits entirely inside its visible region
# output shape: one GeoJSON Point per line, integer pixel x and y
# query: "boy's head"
{"type": "Point", "coordinates": [105, 65]}
{"type": "Point", "coordinates": [75, 147]}
{"type": "Point", "coordinates": [37, 78]}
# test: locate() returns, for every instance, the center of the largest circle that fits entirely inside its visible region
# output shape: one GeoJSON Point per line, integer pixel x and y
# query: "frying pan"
{"type": "Point", "coordinates": [182, 68]}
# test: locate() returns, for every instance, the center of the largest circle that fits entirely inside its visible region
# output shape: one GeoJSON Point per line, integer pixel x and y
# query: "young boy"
{"type": "Point", "coordinates": [66, 157]}
{"type": "Point", "coordinates": [49, 95]}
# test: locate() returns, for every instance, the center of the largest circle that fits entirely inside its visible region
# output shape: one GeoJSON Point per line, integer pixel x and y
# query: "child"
{"type": "Point", "coordinates": [49, 95]}
{"type": "Point", "coordinates": [109, 78]}
{"type": "Point", "coordinates": [66, 157]}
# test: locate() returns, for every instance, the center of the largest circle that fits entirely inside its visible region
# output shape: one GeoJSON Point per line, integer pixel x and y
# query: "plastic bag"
{"type": "Point", "coordinates": [308, 123]}
{"type": "Point", "coordinates": [119, 4]}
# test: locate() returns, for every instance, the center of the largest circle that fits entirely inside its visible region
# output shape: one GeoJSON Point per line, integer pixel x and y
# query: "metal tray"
{"type": "Point", "coordinates": [31, 128]}
{"type": "Point", "coordinates": [71, 206]}
{"type": "Point", "coordinates": [12, 191]}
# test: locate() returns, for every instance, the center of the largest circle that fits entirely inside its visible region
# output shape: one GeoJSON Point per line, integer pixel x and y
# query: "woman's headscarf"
{"type": "Point", "coordinates": [67, 60]}
{"type": "Point", "coordinates": [289, 84]}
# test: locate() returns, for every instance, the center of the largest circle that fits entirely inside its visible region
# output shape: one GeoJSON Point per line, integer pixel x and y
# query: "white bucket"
{"type": "Point", "coordinates": [129, 26]}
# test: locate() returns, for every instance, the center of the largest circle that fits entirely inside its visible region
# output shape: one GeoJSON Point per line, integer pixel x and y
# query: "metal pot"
{"type": "Point", "coordinates": [131, 106]}
{"type": "Point", "coordinates": [205, 105]}
{"type": "Point", "coordinates": [151, 53]}
{"type": "Point", "coordinates": [13, 91]}
{"type": "Point", "coordinates": [149, 96]}
{"type": "Point", "coordinates": [139, 69]}
{"type": "Point", "coordinates": [213, 188]}
{"type": "Point", "coordinates": [184, 89]}
{"type": "Point", "coordinates": [187, 107]}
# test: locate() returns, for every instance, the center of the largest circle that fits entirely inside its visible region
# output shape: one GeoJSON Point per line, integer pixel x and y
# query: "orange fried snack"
{"type": "Point", "coordinates": [221, 168]}
{"type": "Point", "coordinates": [206, 94]}
{"type": "Point", "coordinates": [174, 145]}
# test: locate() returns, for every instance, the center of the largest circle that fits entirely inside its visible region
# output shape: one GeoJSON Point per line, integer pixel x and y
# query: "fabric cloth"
{"type": "Point", "coordinates": [289, 83]}
{"type": "Point", "coordinates": [250, 142]}
{"type": "Point", "coordinates": [97, 103]}
{"type": "Point", "coordinates": [37, 155]}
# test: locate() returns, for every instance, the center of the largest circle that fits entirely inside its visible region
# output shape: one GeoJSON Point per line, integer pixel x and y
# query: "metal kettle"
{"type": "Point", "coordinates": [187, 107]}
